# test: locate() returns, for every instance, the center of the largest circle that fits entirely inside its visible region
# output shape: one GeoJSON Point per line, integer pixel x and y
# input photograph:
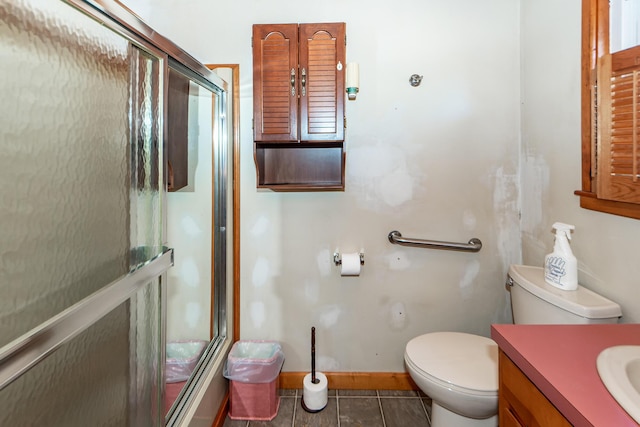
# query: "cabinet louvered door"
{"type": "Point", "coordinates": [275, 80]}
{"type": "Point", "coordinates": [619, 126]}
{"type": "Point", "coordinates": [322, 69]}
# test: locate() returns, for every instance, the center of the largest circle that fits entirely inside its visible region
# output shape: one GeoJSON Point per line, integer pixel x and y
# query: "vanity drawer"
{"type": "Point", "coordinates": [520, 403]}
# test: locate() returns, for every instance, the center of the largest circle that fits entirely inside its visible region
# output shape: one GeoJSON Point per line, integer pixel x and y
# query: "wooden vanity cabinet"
{"type": "Point", "coordinates": [521, 403]}
{"type": "Point", "coordinates": [298, 105]}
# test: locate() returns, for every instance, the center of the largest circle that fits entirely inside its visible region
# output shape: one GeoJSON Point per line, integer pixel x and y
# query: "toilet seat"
{"type": "Point", "coordinates": [463, 362]}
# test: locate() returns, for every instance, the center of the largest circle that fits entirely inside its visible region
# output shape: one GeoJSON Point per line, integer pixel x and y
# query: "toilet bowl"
{"type": "Point", "coordinates": [461, 377]}
{"type": "Point", "coordinates": [459, 371]}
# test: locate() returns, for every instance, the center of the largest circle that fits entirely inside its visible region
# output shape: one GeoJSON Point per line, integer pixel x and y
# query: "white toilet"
{"type": "Point", "coordinates": [459, 371]}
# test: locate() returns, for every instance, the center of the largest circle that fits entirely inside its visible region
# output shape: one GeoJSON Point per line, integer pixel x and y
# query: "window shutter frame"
{"type": "Point", "coordinates": [601, 191]}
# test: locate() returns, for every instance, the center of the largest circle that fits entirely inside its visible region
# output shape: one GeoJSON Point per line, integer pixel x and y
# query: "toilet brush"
{"type": "Point", "coordinates": [314, 380]}
{"type": "Point", "coordinates": [314, 393]}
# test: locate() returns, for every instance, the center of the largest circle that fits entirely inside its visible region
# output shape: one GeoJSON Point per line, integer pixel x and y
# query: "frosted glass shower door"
{"type": "Point", "coordinates": [82, 211]}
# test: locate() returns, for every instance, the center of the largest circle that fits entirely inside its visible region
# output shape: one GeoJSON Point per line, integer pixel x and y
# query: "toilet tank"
{"type": "Point", "coordinates": [533, 301]}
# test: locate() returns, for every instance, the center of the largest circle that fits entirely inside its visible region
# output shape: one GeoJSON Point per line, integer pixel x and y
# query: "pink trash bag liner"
{"type": "Point", "coordinates": [182, 358]}
{"type": "Point", "coordinates": [254, 361]}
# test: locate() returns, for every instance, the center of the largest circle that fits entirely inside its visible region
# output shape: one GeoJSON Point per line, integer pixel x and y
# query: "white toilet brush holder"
{"type": "Point", "coordinates": [315, 384]}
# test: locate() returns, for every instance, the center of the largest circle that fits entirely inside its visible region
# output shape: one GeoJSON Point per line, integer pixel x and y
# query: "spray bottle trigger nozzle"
{"type": "Point", "coordinates": [563, 228]}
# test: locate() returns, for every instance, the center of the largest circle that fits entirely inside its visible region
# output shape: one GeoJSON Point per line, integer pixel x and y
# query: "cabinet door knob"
{"type": "Point", "coordinates": [293, 82]}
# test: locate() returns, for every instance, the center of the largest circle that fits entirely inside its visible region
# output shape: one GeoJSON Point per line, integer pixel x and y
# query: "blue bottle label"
{"type": "Point", "coordinates": [555, 269]}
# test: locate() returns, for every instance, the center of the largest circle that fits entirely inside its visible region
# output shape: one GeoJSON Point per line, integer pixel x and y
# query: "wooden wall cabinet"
{"type": "Point", "coordinates": [298, 106]}
{"type": "Point", "coordinates": [178, 131]}
{"type": "Point", "coordinates": [521, 403]}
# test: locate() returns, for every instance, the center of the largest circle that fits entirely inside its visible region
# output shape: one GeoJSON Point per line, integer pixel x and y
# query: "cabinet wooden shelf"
{"type": "Point", "coordinates": [298, 106]}
{"type": "Point", "coordinates": [300, 167]}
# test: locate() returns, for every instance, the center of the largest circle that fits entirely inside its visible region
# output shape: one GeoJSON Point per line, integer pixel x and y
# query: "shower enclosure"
{"type": "Point", "coordinates": [84, 241]}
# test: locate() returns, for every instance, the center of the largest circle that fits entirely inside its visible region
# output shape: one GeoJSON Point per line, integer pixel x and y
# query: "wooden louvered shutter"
{"type": "Point", "coordinates": [275, 53]}
{"type": "Point", "coordinates": [619, 126]}
{"type": "Point", "coordinates": [322, 68]}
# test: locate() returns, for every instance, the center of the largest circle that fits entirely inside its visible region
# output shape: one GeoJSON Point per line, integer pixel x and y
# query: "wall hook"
{"type": "Point", "coordinates": [415, 80]}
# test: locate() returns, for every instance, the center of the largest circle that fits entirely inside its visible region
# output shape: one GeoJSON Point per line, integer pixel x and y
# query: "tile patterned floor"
{"type": "Point", "coordinates": [350, 408]}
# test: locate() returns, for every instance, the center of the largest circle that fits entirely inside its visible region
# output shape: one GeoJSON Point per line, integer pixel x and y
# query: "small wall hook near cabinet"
{"type": "Point", "coordinates": [415, 80]}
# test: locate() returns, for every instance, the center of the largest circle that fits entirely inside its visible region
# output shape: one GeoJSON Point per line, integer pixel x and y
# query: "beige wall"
{"type": "Point", "coordinates": [443, 161]}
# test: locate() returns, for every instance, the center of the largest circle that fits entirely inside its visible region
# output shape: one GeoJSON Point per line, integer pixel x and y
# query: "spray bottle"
{"type": "Point", "coordinates": [561, 266]}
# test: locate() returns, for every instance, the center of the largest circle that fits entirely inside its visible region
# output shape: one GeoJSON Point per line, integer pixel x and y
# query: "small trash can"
{"type": "Point", "coordinates": [182, 358]}
{"type": "Point", "coordinates": [253, 368]}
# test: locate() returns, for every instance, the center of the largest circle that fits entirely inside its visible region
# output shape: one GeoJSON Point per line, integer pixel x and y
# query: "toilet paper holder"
{"type": "Point", "coordinates": [337, 258]}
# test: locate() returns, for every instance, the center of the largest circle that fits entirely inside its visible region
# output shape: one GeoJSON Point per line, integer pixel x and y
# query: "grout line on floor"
{"type": "Point", "coordinates": [371, 395]}
{"type": "Point", "coordinates": [424, 408]}
{"type": "Point", "coordinates": [295, 406]}
{"type": "Point", "coordinates": [384, 423]}
{"type": "Point", "coordinates": [338, 407]}
{"type": "Point", "coordinates": [399, 397]}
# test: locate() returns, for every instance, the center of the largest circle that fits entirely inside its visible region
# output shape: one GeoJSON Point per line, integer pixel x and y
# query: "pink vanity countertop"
{"type": "Point", "coordinates": [561, 361]}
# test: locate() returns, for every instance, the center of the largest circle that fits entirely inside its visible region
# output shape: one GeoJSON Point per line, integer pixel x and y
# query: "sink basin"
{"type": "Point", "coordinates": [619, 369]}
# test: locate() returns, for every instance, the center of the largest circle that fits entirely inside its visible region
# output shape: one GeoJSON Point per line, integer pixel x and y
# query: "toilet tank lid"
{"type": "Point", "coordinates": [582, 302]}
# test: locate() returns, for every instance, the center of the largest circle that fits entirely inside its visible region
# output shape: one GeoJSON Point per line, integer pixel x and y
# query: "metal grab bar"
{"type": "Point", "coordinates": [474, 244]}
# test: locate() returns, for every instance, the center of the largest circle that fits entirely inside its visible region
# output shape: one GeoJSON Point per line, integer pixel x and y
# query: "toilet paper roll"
{"type": "Point", "coordinates": [314, 396]}
{"type": "Point", "coordinates": [350, 264]}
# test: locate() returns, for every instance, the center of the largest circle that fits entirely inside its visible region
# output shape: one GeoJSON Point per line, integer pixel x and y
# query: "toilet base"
{"type": "Point", "coordinates": [442, 417]}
